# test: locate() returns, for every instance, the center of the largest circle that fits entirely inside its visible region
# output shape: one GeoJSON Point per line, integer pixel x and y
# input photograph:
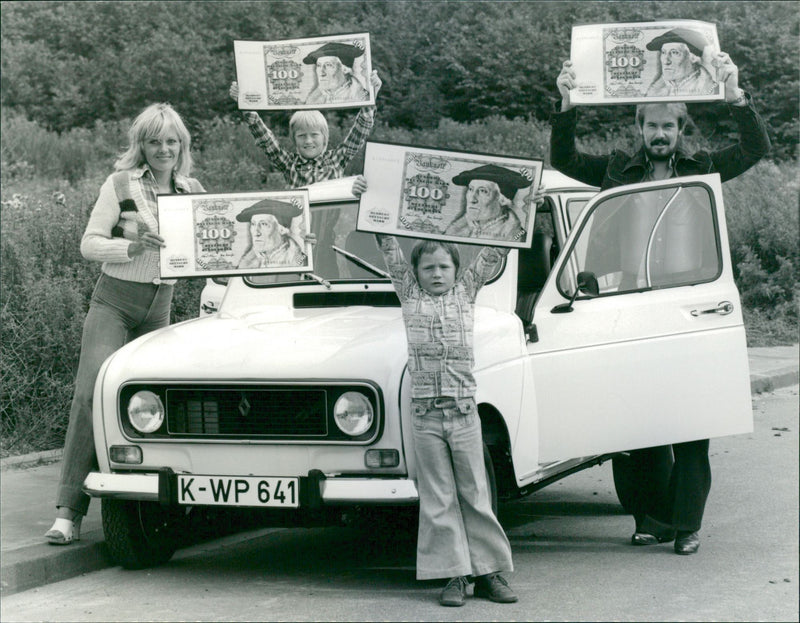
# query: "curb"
{"type": "Point", "coordinates": [782, 377]}
{"type": "Point", "coordinates": [31, 460]}
{"type": "Point", "coordinates": [37, 565]}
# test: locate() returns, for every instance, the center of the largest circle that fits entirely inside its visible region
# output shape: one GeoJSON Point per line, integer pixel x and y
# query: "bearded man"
{"type": "Point", "coordinates": [670, 508]}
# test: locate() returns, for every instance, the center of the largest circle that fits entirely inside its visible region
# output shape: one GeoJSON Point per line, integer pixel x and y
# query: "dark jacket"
{"type": "Point", "coordinates": [618, 167]}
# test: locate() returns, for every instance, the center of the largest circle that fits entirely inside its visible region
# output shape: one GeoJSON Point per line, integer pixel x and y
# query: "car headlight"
{"type": "Point", "coordinates": [146, 411]}
{"type": "Point", "coordinates": [353, 413]}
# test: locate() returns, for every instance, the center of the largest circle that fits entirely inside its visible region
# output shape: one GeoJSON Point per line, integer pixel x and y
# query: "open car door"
{"type": "Point", "coordinates": [652, 352]}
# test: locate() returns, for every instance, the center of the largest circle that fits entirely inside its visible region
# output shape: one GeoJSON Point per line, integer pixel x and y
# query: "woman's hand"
{"type": "Point", "coordinates": [359, 186]}
{"type": "Point", "coordinates": [310, 238]}
{"type": "Point", "coordinates": [234, 91]}
{"type": "Point", "coordinates": [148, 241]}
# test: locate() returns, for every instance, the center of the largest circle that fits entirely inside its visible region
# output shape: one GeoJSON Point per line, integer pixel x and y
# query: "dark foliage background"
{"type": "Point", "coordinates": [70, 64]}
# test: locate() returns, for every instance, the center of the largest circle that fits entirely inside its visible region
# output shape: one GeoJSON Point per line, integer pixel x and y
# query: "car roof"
{"type": "Point", "coordinates": [554, 180]}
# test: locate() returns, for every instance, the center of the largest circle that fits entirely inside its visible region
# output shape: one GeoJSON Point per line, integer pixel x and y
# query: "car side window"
{"type": "Point", "coordinates": [664, 237]}
{"type": "Point", "coordinates": [574, 209]}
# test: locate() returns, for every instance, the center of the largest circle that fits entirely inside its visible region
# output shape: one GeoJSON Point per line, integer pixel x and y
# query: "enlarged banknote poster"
{"type": "Point", "coordinates": [448, 195]}
{"type": "Point", "coordinates": [640, 62]}
{"type": "Point", "coordinates": [320, 72]}
{"type": "Point", "coordinates": [234, 233]}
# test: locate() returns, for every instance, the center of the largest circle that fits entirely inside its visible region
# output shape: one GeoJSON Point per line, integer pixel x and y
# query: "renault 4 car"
{"type": "Point", "coordinates": [620, 328]}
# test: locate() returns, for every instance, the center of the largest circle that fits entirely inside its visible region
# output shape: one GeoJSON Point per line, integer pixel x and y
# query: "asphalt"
{"type": "Point", "coordinates": [28, 482]}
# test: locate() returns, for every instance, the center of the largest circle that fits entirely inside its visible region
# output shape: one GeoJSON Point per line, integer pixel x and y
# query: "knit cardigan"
{"type": "Point", "coordinates": [120, 213]}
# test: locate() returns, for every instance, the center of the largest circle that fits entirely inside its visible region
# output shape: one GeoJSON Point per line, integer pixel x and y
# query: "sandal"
{"type": "Point", "coordinates": [64, 531]}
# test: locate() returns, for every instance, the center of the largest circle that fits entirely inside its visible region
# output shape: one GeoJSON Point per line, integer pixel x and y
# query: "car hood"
{"type": "Point", "coordinates": [283, 343]}
{"type": "Point", "coordinates": [271, 343]}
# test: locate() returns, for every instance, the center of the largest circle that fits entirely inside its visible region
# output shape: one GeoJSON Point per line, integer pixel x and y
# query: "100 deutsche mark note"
{"type": "Point", "coordinates": [234, 234]}
{"type": "Point", "coordinates": [456, 196]}
{"type": "Point", "coordinates": [645, 62]}
{"type": "Point", "coordinates": [320, 72]}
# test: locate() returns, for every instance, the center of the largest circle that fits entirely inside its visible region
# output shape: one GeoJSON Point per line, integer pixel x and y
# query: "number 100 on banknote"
{"type": "Point", "coordinates": [447, 195]}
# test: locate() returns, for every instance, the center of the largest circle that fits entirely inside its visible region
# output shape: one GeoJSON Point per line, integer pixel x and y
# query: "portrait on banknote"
{"type": "Point", "coordinates": [234, 233]}
{"type": "Point", "coordinates": [319, 72]}
{"type": "Point", "coordinates": [641, 62]}
{"type": "Point", "coordinates": [449, 195]}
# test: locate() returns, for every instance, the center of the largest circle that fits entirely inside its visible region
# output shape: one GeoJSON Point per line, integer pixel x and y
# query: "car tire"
{"type": "Point", "coordinates": [627, 484]}
{"type": "Point", "coordinates": [490, 477]}
{"type": "Point", "coordinates": [141, 534]}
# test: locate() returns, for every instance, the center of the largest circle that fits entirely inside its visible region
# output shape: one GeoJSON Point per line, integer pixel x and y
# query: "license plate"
{"type": "Point", "coordinates": [261, 491]}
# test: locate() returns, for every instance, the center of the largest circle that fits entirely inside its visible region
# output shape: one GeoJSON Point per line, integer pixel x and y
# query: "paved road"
{"type": "Point", "coordinates": [571, 552]}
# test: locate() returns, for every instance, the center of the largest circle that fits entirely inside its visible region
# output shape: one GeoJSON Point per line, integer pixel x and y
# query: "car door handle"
{"type": "Point", "coordinates": [723, 308]}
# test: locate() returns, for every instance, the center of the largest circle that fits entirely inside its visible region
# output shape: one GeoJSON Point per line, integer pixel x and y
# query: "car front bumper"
{"type": "Point", "coordinates": [319, 489]}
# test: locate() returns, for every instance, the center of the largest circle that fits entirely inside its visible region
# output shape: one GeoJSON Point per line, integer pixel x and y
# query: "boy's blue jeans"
{"type": "Point", "coordinates": [119, 312]}
{"type": "Point", "coordinates": [458, 532]}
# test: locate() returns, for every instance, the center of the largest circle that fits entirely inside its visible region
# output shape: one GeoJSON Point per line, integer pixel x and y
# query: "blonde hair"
{"type": "Point", "coordinates": [153, 122]}
{"type": "Point", "coordinates": [308, 120]}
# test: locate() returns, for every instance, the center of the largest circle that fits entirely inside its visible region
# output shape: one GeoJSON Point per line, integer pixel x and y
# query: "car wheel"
{"type": "Point", "coordinates": [490, 477]}
{"type": "Point", "coordinates": [628, 484]}
{"type": "Point", "coordinates": [141, 534]}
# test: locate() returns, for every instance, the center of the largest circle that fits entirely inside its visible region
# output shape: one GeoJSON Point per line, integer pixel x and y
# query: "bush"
{"type": "Point", "coordinates": [495, 135]}
{"type": "Point", "coordinates": [762, 218]}
{"type": "Point", "coordinates": [28, 149]}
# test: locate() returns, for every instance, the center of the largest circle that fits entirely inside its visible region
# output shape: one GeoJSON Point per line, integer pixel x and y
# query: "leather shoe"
{"type": "Point", "coordinates": [687, 543]}
{"type": "Point", "coordinates": [454, 592]}
{"type": "Point", "coordinates": [644, 538]}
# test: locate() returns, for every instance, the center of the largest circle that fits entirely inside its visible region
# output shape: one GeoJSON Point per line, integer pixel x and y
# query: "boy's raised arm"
{"type": "Point", "coordinates": [264, 137]}
{"type": "Point", "coordinates": [399, 270]}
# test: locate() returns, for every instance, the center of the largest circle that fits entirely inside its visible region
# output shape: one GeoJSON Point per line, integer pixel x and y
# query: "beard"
{"type": "Point", "coordinates": [661, 155]}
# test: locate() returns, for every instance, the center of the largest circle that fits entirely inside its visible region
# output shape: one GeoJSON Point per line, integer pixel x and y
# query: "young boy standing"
{"type": "Point", "coordinates": [459, 534]}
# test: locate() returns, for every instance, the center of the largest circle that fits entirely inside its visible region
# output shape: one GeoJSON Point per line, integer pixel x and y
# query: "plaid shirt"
{"type": "Point", "coordinates": [440, 328]}
{"type": "Point", "coordinates": [299, 171]}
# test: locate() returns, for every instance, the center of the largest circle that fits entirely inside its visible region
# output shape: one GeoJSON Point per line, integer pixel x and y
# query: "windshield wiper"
{"type": "Point", "coordinates": [361, 262]}
{"type": "Point", "coordinates": [318, 279]}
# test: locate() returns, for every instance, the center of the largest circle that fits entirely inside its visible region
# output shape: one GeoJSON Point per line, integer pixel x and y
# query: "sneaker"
{"type": "Point", "coordinates": [495, 588]}
{"type": "Point", "coordinates": [453, 594]}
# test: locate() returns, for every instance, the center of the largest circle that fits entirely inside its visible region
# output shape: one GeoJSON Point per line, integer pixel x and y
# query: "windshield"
{"type": "Point", "coordinates": [343, 254]}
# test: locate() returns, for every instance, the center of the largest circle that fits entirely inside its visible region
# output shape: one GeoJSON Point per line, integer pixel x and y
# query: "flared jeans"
{"type": "Point", "coordinates": [119, 312]}
{"type": "Point", "coordinates": [458, 531]}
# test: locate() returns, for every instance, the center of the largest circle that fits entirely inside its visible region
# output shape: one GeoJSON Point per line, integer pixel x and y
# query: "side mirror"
{"type": "Point", "coordinates": [587, 284]}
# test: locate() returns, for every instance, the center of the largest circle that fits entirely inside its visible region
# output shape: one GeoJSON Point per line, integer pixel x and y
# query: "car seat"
{"type": "Point", "coordinates": [534, 265]}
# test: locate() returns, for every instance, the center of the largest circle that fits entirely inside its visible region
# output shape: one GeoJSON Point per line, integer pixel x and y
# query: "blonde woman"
{"type": "Point", "coordinates": [129, 299]}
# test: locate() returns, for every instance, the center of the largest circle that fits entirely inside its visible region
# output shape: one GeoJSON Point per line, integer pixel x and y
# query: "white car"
{"type": "Point", "coordinates": [620, 328]}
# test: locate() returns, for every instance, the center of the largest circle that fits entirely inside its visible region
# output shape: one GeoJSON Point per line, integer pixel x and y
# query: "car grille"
{"type": "Point", "coordinates": [300, 411]}
{"type": "Point", "coordinates": [246, 413]}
